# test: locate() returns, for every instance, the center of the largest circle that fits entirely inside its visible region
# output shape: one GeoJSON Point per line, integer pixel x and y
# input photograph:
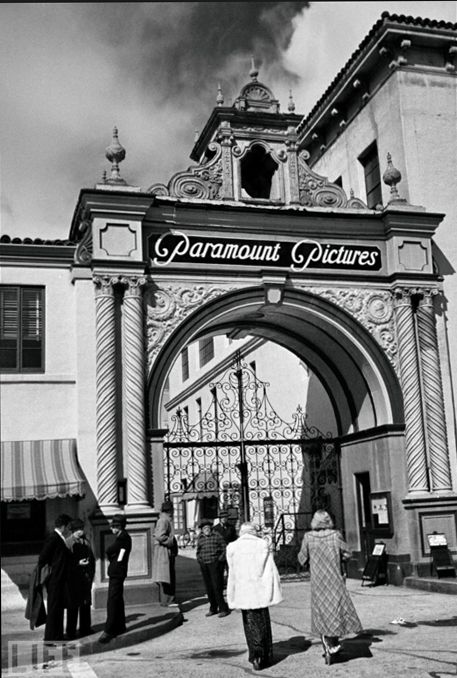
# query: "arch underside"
{"type": "Point", "coordinates": [353, 368]}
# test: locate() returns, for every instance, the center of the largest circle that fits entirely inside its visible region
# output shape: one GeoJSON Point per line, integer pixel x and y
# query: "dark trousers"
{"type": "Point", "coordinates": [213, 576]}
{"type": "Point", "coordinates": [257, 630]}
{"type": "Point", "coordinates": [115, 618]}
{"type": "Point", "coordinates": [55, 610]}
{"type": "Point", "coordinates": [83, 611]}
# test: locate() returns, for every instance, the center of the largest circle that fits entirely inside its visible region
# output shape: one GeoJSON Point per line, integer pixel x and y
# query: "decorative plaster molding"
{"type": "Point", "coordinates": [413, 256]}
{"type": "Point", "coordinates": [202, 181]}
{"type": "Point", "coordinates": [118, 240]}
{"type": "Point", "coordinates": [371, 308]}
{"type": "Point", "coordinates": [316, 190]}
{"type": "Point", "coordinates": [84, 249]}
{"type": "Point", "coordinates": [133, 285]}
{"type": "Point", "coordinates": [167, 307]}
{"type": "Point", "coordinates": [104, 285]}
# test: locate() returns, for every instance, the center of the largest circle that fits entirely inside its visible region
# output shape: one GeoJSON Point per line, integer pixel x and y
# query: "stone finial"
{"type": "Point", "coordinates": [115, 153]}
{"type": "Point", "coordinates": [254, 72]}
{"type": "Point", "coordinates": [220, 96]}
{"type": "Point", "coordinates": [391, 177]}
{"type": "Point", "coordinates": [291, 104]}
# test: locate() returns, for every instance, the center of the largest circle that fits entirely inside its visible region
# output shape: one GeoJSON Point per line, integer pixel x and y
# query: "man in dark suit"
{"type": "Point", "coordinates": [118, 555]}
{"type": "Point", "coordinates": [228, 533]}
{"type": "Point", "coordinates": [56, 556]}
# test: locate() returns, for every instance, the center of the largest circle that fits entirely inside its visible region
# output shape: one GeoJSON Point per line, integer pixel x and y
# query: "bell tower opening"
{"type": "Point", "coordinates": [257, 170]}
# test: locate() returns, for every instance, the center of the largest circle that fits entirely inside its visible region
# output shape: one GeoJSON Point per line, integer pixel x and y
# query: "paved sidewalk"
{"type": "Point", "coordinates": [157, 639]}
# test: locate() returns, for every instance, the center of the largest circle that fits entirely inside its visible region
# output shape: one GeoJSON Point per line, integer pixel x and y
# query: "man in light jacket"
{"type": "Point", "coordinates": [163, 555]}
{"type": "Point", "coordinates": [253, 585]}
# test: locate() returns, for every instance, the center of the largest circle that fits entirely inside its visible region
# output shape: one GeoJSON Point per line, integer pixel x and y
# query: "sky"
{"type": "Point", "coordinates": [69, 72]}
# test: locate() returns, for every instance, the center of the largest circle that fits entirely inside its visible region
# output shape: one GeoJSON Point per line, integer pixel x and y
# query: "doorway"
{"type": "Point", "coordinates": [363, 490]}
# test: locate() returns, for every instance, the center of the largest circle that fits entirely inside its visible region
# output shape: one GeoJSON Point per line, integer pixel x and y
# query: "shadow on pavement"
{"type": "Point", "coordinates": [452, 621]}
{"type": "Point", "coordinates": [190, 589]}
{"type": "Point", "coordinates": [212, 654]}
{"type": "Point", "coordinates": [294, 645]}
{"type": "Point", "coordinates": [359, 646]}
{"type": "Point", "coordinates": [188, 605]}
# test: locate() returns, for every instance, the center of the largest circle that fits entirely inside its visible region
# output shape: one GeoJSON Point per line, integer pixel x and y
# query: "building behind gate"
{"type": "Point", "coordinates": [327, 235]}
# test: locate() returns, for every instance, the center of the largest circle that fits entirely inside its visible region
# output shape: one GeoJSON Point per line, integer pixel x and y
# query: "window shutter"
{"type": "Point", "coordinates": [31, 314]}
{"type": "Point", "coordinates": [9, 313]}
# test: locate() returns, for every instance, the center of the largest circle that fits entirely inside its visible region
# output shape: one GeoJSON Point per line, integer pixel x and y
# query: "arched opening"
{"type": "Point", "coordinates": [351, 388]}
{"type": "Point", "coordinates": [350, 364]}
{"type": "Point", "coordinates": [257, 170]}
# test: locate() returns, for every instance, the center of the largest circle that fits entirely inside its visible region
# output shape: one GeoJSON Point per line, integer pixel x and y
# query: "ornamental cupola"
{"type": "Point", "coordinates": [247, 152]}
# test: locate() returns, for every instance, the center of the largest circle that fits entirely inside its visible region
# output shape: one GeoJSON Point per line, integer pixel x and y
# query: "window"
{"type": "Point", "coordinates": [257, 170]}
{"type": "Point", "coordinates": [185, 363]}
{"type": "Point", "coordinates": [206, 349]}
{"type": "Point", "coordinates": [21, 329]}
{"type": "Point", "coordinates": [23, 526]}
{"type": "Point", "coordinates": [370, 162]}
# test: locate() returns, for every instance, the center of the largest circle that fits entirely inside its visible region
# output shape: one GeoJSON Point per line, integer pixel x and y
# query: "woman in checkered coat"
{"type": "Point", "coordinates": [332, 611]}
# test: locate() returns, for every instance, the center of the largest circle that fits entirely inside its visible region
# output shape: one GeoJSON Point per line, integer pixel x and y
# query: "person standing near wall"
{"type": "Point", "coordinates": [332, 611]}
{"type": "Point", "coordinates": [56, 556]}
{"type": "Point", "coordinates": [118, 555]}
{"type": "Point", "coordinates": [253, 585]}
{"type": "Point", "coordinates": [80, 578]}
{"type": "Point", "coordinates": [163, 555]}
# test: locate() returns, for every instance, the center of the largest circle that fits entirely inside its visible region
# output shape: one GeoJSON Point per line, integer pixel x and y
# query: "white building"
{"type": "Point", "coordinates": [253, 240]}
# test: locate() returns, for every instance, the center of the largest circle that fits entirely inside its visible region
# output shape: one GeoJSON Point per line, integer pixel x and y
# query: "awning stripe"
{"type": "Point", "coordinates": [40, 469]}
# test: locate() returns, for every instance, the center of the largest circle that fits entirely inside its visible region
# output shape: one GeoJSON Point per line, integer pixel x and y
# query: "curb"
{"type": "Point", "coordinates": [152, 626]}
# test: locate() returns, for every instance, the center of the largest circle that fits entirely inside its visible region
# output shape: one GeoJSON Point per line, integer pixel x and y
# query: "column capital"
{"type": "Point", "coordinates": [133, 285]}
{"type": "Point", "coordinates": [104, 284]}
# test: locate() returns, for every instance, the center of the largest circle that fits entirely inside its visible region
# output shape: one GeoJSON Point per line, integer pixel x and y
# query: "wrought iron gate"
{"type": "Point", "coordinates": [243, 457]}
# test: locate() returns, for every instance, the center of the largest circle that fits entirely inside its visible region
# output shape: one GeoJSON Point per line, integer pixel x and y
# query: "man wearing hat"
{"type": "Point", "coordinates": [118, 555]}
{"type": "Point", "coordinates": [79, 581]}
{"type": "Point", "coordinates": [165, 549]}
{"type": "Point", "coordinates": [227, 532]}
{"type": "Point", "coordinates": [211, 557]}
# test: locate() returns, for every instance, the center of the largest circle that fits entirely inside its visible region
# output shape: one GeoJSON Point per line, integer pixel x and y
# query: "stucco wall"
{"type": "Point", "coordinates": [383, 458]}
{"type": "Point", "coordinates": [39, 406]}
{"type": "Point", "coordinates": [413, 116]}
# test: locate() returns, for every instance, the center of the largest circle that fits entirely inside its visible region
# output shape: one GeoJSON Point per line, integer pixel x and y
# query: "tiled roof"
{"type": "Point", "coordinates": [399, 19]}
{"type": "Point", "coordinates": [8, 240]}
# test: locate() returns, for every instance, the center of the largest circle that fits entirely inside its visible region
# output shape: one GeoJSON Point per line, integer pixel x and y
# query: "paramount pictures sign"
{"type": "Point", "coordinates": [179, 248]}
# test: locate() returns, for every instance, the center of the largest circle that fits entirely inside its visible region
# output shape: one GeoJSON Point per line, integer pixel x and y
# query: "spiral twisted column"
{"type": "Point", "coordinates": [416, 458]}
{"type": "Point", "coordinates": [134, 389]}
{"type": "Point", "coordinates": [435, 422]}
{"type": "Point", "coordinates": [105, 354]}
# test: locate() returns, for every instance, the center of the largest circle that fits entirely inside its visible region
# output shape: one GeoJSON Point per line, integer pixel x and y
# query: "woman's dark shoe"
{"type": "Point", "coordinates": [105, 638]}
{"type": "Point", "coordinates": [211, 613]}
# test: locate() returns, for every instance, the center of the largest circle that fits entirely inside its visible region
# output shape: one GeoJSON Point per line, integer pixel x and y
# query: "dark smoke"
{"type": "Point", "coordinates": [188, 47]}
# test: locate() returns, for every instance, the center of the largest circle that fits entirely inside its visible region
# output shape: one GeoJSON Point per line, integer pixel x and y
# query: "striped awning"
{"type": "Point", "coordinates": [40, 469]}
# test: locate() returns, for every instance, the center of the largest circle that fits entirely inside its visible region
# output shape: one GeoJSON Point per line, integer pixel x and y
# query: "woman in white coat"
{"type": "Point", "coordinates": [253, 585]}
